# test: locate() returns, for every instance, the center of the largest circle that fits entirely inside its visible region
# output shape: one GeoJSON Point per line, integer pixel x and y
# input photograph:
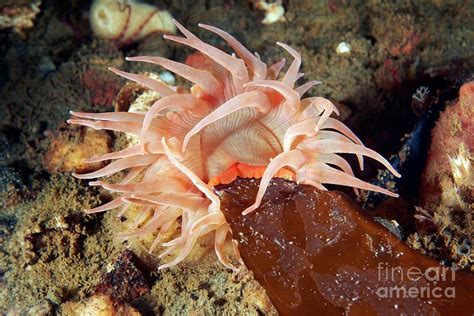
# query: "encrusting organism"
{"type": "Point", "coordinates": [239, 119]}
{"type": "Point", "coordinates": [127, 21]}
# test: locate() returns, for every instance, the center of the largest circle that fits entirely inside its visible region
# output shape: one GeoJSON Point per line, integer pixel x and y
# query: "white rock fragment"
{"type": "Point", "coordinates": [343, 48]}
{"type": "Point", "coordinates": [18, 16]}
{"type": "Point", "coordinates": [127, 21]}
{"type": "Point", "coordinates": [141, 105]}
{"type": "Point", "coordinates": [168, 78]}
{"type": "Point", "coordinates": [274, 12]}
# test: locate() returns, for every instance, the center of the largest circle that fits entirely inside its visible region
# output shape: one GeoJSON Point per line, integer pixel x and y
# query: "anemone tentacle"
{"type": "Point", "coordinates": [254, 63]}
{"type": "Point", "coordinates": [274, 70]}
{"type": "Point", "coordinates": [292, 73]}
{"type": "Point", "coordinates": [294, 159]}
{"type": "Point", "coordinates": [253, 99]}
{"type": "Point", "coordinates": [306, 86]}
{"type": "Point", "coordinates": [202, 78]}
{"type": "Point", "coordinates": [111, 116]}
{"type": "Point", "coordinates": [154, 85]}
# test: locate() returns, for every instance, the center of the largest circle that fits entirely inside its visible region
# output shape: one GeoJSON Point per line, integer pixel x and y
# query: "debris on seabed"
{"type": "Point", "coordinates": [274, 12]}
{"type": "Point", "coordinates": [343, 48]}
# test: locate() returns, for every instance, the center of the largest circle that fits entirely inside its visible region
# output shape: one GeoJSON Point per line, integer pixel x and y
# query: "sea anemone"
{"type": "Point", "coordinates": [240, 118]}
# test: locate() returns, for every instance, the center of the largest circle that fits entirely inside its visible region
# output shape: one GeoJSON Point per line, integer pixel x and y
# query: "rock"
{"type": "Point", "coordinates": [124, 281]}
{"type": "Point", "coordinates": [71, 146]}
{"type": "Point", "coordinates": [19, 16]}
{"type": "Point", "coordinates": [98, 305]}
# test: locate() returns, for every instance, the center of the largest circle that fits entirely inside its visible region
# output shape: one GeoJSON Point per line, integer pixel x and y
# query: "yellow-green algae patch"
{"type": "Point", "coordinates": [52, 250]}
{"type": "Point", "coordinates": [53, 253]}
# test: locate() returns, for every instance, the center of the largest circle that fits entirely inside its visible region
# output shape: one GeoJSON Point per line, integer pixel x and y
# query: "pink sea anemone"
{"type": "Point", "coordinates": [240, 118]}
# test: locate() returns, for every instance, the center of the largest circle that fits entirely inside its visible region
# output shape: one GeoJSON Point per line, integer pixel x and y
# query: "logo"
{"type": "Point", "coordinates": [413, 282]}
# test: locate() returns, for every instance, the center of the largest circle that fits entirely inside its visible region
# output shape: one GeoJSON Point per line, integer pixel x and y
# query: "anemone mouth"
{"type": "Point", "coordinates": [240, 118]}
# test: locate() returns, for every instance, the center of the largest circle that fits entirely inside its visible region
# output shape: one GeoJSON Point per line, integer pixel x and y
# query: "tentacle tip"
{"type": "Point", "coordinates": [185, 144]}
{"type": "Point", "coordinates": [95, 183]}
{"type": "Point", "coordinates": [249, 209]}
{"type": "Point", "coordinates": [231, 267]}
{"type": "Point", "coordinates": [161, 256]}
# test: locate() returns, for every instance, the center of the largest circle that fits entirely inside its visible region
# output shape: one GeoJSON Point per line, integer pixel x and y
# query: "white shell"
{"type": "Point", "coordinates": [274, 12]}
{"type": "Point", "coordinates": [343, 48]}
